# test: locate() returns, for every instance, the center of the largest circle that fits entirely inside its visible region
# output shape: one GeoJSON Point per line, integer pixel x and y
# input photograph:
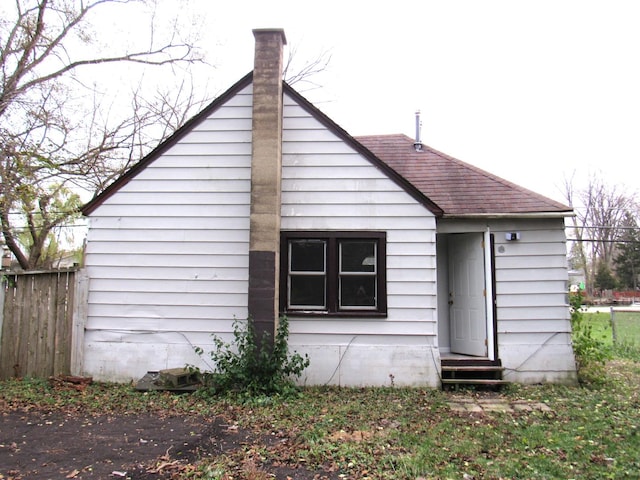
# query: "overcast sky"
{"type": "Point", "coordinates": [533, 91]}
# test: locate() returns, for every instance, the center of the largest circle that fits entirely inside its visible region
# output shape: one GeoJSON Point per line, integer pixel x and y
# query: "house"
{"type": "Point", "coordinates": [392, 261]}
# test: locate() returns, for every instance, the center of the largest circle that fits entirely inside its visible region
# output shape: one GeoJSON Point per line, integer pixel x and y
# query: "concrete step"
{"type": "Point", "coordinates": [474, 381]}
{"type": "Point", "coordinates": [472, 368]}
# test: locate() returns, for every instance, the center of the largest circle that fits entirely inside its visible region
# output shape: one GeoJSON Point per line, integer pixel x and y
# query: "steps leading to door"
{"type": "Point", "coordinates": [472, 371]}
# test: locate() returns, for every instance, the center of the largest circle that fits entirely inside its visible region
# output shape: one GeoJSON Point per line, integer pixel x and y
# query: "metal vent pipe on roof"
{"type": "Point", "coordinates": [418, 143]}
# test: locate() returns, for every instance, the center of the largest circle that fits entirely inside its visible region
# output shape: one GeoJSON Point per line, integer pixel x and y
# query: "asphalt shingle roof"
{"type": "Point", "coordinates": [455, 186]}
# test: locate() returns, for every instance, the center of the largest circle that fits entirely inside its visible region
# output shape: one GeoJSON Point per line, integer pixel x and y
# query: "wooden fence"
{"type": "Point", "coordinates": [37, 324]}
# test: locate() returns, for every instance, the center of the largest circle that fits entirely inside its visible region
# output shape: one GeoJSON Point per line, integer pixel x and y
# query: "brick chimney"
{"type": "Point", "coordinates": [266, 174]}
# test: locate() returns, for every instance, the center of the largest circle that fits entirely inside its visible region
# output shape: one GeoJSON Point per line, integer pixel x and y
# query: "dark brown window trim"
{"type": "Point", "coordinates": [332, 266]}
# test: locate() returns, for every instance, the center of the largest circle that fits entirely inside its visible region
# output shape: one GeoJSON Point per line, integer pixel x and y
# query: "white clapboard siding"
{"type": "Point", "coordinates": [531, 275]}
{"type": "Point", "coordinates": [326, 185]}
{"type": "Point", "coordinates": [200, 185]}
{"type": "Point", "coordinates": [531, 272]}
{"type": "Point", "coordinates": [336, 185]}
{"type": "Point", "coordinates": [167, 254]}
{"type": "Point", "coordinates": [128, 260]}
{"type": "Point", "coordinates": [168, 223]}
{"type": "Point", "coordinates": [160, 285]}
{"type": "Point", "coordinates": [188, 236]}
{"type": "Point", "coordinates": [198, 173]}
{"type": "Point", "coordinates": [162, 272]}
{"type": "Point", "coordinates": [169, 199]}
{"type": "Point", "coordinates": [178, 248]}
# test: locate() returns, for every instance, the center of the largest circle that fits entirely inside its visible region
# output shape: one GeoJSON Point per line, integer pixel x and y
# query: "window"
{"type": "Point", "coordinates": [333, 273]}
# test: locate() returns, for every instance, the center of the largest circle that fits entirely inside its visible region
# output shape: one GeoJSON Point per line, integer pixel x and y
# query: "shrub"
{"type": "Point", "coordinates": [250, 367]}
{"type": "Point", "coordinates": [590, 352]}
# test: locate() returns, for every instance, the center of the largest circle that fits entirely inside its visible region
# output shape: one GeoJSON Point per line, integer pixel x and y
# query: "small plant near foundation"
{"type": "Point", "coordinates": [250, 367]}
{"type": "Point", "coordinates": [591, 352]}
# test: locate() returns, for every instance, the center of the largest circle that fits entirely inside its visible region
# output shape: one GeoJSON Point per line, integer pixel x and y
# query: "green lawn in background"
{"type": "Point", "coordinates": [627, 327]}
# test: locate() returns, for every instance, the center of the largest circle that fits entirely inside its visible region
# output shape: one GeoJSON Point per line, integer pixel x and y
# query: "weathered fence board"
{"type": "Point", "coordinates": [37, 322]}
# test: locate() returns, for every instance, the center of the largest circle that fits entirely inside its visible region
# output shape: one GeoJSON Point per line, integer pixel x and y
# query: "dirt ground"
{"type": "Point", "coordinates": [38, 445]}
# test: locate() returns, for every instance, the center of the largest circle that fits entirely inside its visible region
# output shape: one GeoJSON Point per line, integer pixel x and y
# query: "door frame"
{"type": "Point", "coordinates": [489, 285]}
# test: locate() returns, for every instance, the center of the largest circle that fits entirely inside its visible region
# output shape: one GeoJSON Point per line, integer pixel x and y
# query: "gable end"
{"type": "Point", "coordinates": [365, 152]}
{"type": "Point", "coordinates": [90, 207]}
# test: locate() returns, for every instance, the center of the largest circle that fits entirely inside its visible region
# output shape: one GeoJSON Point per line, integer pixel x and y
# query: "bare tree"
{"type": "Point", "coordinates": [302, 74]}
{"type": "Point", "coordinates": [48, 141]}
{"type": "Point", "coordinates": [601, 211]}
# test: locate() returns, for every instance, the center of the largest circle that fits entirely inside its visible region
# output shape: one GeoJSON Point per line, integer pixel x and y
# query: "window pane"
{"type": "Point", "coordinates": [307, 291]}
{"type": "Point", "coordinates": [358, 291]}
{"type": "Point", "coordinates": [357, 256]}
{"type": "Point", "coordinates": [307, 255]}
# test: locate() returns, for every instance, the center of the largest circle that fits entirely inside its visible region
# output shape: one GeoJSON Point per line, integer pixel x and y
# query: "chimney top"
{"type": "Point", "coordinates": [259, 31]}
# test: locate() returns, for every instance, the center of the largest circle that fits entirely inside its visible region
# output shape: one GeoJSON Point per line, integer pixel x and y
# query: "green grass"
{"type": "Point", "coordinates": [627, 343]}
{"type": "Point", "coordinates": [592, 431]}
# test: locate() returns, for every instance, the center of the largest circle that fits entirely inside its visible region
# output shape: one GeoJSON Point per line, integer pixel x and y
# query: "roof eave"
{"type": "Point", "coordinates": [559, 214]}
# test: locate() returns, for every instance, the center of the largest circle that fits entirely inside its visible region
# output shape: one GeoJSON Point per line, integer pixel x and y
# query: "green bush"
{"type": "Point", "coordinates": [250, 367]}
{"type": "Point", "coordinates": [590, 352]}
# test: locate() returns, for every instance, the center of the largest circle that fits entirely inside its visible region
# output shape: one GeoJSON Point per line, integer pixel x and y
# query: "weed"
{"type": "Point", "coordinates": [590, 351]}
{"type": "Point", "coordinates": [255, 370]}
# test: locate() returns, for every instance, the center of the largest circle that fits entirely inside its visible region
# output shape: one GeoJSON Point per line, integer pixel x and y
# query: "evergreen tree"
{"type": "Point", "coordinates": [627, 261]}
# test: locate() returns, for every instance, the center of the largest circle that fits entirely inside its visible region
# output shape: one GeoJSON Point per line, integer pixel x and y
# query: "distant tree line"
{"type": "Point", "coordinates": [604, 235]}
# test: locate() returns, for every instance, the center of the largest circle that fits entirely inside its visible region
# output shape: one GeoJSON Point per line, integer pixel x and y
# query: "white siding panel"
{"type": "Point", "coordinates": [365, 330]}
{"type": "Point", "coordinates": [220, 137]}
{"type": "Point", "coordinates": [223, 124]}
{"type": "Point", "coordinates": [196, 199]}
{"type": "Point", "coordinates": [318, 134]}
{"type": "Point", "coordinates": [532, 261]}
{"type": "Point", "coordinates": [199, 185]}
{"type": "Point", "coordinates": [532, 299]}
{"type": "Point", "coordinates": [526, 313]}
{"type": "Point", "coordinates": [342, 223]}
{"type": "Point", "coordinates": [180, 162]}
{"type": "Point", "coordinates": [169, 285]}
{"type": "Point", "coordinates": [176, 211]}
{"type": "Point", "coordinates": [168, 223]}
{"type": "Point", "coordinates": [361, 172]}
{"type": "Point", "coordinates": [163, 298]}
{"type": "Point", "coordinates": [293, 112]}
{"type": "Point", "coordinates": [196, 173]}
{"type": "Point", "coordinates": [327, 186]}
{"type": "Point", "coordinates": [551, 325]}
{"type": "Point", "coordinates": [400, 287]}
{"type": "Point", "coordinates": [167, 255]}
{"type": "Point", "coordinates": [531, 275]}
{"type": "Point", "coordinates": [234, 113]}
{"type": "Point", "coordinates": [185, 237]}
{"type": "Point", "coordinates": [163, 272]}
{"type": "Point", "coordinates": [210, 149]}
{"type": "Point", "coordinates": [168, 248]}
{"type": "Point", "coordinates": [183, 260]}
{"type": "Point", "coordinates": [520, 287]}
{"type": "Point", "coordinates": [360, 185]}
{"type": "Point", "coordinates": [311, 210]}
{"type": "Point", "coordinates": [350, 198]}
{"type": "Point", "coordinates": [166, 314]}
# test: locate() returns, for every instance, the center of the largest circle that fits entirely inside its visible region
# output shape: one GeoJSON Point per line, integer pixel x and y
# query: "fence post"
{"type": "Point", "coordinates": [614, 334]}
{"type": "Point", "coordinates": [79, 322]}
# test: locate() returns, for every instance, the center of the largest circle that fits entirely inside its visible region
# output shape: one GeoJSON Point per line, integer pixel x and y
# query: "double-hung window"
{"type": "Point", "coordinates": [333, 273]}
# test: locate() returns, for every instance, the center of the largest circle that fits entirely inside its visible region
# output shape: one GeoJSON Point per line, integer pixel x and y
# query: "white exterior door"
{"type": "Point", "coordinates": [467, 303]}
